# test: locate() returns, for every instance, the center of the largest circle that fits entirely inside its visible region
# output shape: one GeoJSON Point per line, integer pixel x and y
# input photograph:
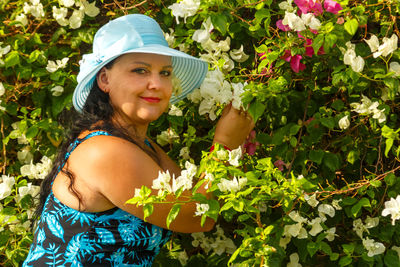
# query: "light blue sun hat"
{"type": "Point", "coordinates": [135, 33]}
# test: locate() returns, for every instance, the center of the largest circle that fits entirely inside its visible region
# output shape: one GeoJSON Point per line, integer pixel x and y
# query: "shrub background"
{"type": "Point", "coordinates": [323, 167]}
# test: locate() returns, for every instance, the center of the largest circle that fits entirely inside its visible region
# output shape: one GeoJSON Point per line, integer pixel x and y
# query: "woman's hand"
{"type": "Point", "coordinates": [233, 127]}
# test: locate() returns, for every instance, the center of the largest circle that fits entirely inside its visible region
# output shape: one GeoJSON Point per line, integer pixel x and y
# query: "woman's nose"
{"type": "Point", "coordinates": [155, 81]}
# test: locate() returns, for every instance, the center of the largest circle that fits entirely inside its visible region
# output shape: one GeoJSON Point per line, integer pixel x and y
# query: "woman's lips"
{"type": "Point", "coordinates": [151, 99]}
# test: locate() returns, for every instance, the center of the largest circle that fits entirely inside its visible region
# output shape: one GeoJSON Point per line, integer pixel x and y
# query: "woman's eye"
{"type": "Point", "coordinates": [139, 70]}
{"type": "Point", "coordinates": [166, 73]}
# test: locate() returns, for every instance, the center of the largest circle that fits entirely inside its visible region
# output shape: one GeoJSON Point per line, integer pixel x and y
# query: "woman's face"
{"type": "Point", "coordinates": [139, 86]}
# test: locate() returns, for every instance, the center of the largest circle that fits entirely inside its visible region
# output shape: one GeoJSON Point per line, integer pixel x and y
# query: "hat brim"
{"type": "Point", "coordinates": [189, 70]}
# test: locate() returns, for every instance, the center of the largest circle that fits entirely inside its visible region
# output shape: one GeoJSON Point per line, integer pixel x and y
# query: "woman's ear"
{"type": "Point", "coordinates": [102, 80]}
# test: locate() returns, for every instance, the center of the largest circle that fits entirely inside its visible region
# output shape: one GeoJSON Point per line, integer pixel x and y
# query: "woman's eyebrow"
{"type": "Point", "coordinates": [149, 65]}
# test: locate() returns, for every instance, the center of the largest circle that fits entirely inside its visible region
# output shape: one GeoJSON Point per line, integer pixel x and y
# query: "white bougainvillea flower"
{"type": "Point", "coordinates": [59, 15]}
{"type": "Point", "coordinates": [90, 9]}
{"type": "Point", "coordinates": [325, 209]}
{"type": "Point", "coordinates": [3, 51]}
{"type": "Point", "coordinates": [344, 122]}
{"type": "Point", "coordinates": [28, 189]}
{"type": "Point", "coordinates": [183, 257]}
{"type": "Point", "coordinates": [359, 227]}
{"type": "Point", "coordinates": [373, 43]}
{"type": "Point", "coordinates": [335, 204]}
{"type": "Point", "coordinates": [6, 185]}
{"type": "Point", "coordinates": [311, 21]}
{"type": "Point", "coordinates": [184, 9]}
{"type": "Point", "coordinates": [67, 3]}
{"type": "Point", "coordinates": [316, 227]}
{"type": "Point", "coordinates": [389, 46]}
{"type": "Point", "coordinates": [295, 216]}
{"type": "Point", "coordinates": [52, 66]}
{"type": "Point", "coordinates": [395, 67]}
{"type": "Point", "coordinates": [293, 21]}
{"type": "Point", "coordinates": [238, 55]}
{"type": "Point", "coordinates": [311, 200]}
{"type": "Point", "coordinates": [373, 248]}
{"type": "Point", "coordinates": [237, 95]}
{"type": "Point", "coordinates": [203, 35]}
{"type": "Point", "coordinates": [36, 8]}
{"type": "Point", "coordinates": [234, 156]}
{"type": "Point", "coordinates": [184, 153]}
{"type": "Point", "coordinates": [201, 209]}
{"type": "Point", "coordinates": [284, 241]}
{"type": "Point", "coordinates": [392, 207]}
{"type": "Point", "coordinates": [169, 37]}
{"type": "Point", "coordinates": [286, 5]}
{"type": "Point", "coordinates": [57, 90]}
{"type": "Point", "coordinates": [175, 111]}
{"type": "Point", "coordinates": [367, 107]}
{"type": "Point", "coordinates": [162, 182]}
{"type": "Point", "coordinates": [25, 155]}
{"type": "Point", "coordinates": [38, 170]}
{"type": "Point", "coordinates": [350, 58]}
{"type": "Point", "coordinates": [330, 234]}
{"type": "Point", "coordinates": [167, 137]}
{"type": "Point", "coordinates": [2, 89]}
{"type": "Point", "coordinates": [371, 222]}
{"type": "Point", "coordinates": [75, 21]}
{"type": "Point", "coordinates": [294, 260]}
{"type": "Point", "coordinates": [22, 19]}
{"type": "Point", "coordinates": [233, 185]}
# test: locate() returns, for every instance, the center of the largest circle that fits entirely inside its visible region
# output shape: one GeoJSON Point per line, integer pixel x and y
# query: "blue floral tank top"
{"type": "Point", "coordinates": [67, 237]}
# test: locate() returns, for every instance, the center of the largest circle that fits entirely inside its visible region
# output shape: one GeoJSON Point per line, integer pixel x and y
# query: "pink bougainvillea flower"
{"type": "Point", "coordinates": [295, 63]}
{"type": "Point", "coordinates": [340, 20]}
{"type": "Point", "coordinates": [287, 56]}
{"type": "Point", "coordinates": [332, 6]}
{"type": "Point", "coordinates": [250, 146]}
{"type": "Point", "coordinates": [307, 6]}
{"type": "Point", "coordinates": [280, 164]}
{"type": "Point", "coordinates": [282, 27]}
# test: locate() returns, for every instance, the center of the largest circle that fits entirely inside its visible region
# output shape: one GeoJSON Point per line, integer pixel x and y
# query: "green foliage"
{"type": "Point", "coordinates": [312, 178]}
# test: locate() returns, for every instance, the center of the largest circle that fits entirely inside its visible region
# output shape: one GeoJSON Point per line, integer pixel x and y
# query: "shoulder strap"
{"type": "Point", "coordinates": [74, 144]}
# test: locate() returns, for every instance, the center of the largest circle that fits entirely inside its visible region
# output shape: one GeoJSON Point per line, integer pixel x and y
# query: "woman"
{"type": "Point", "coordinates": [125, 84]}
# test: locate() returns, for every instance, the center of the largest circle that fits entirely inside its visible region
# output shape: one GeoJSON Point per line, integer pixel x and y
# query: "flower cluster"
{"type": "Point", "coordinates": [214, 91]}
{"type": "Point", "coordinates": [75, 20]}
{"type": "Point", "coordinates": [392, 207]}
{"type": "Point", "coordinates": [38, 170]}
{"type": "Point", "coordinates": [388, 46]}
{"type": "Point", "coordinates": [167, 137]}
{"type": "Point", "coordinates": [367, 107]}
{"type": "Point", "coordinates": [218, 243]}
{"type": "Point", "coordinates": [53, 66]}
{"type": "Point", "coordinates": [308, 10]}
{"type": "Point", "coordinates": [165, 183]}
{"type": "Point", "coordinates": [184, 9]}
{"type": "Point", "coordinates": [350, 58]}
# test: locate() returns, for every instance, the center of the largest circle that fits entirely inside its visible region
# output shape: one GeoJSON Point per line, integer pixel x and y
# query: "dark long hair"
{"type": "Point", "coordinates": [96, 115]}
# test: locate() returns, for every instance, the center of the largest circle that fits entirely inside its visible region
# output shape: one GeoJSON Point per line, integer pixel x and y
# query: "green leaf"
{"type": "Point", "coordinates": [331, 161]}
{"type": "Point", "coordinates": [147, 210]}
{"type": "Point", "coordinates": [237, 205]}
{"type": "Point", "coordinates": [317, 43]}
{"type": "Point", "coordinates": [351, 26]}
{"type": "Point", "coordinates": [391, 258]}
{"type": "Point", "coordinates": [344, 261]}
{"type": "Point", "coordinates": [294, 129]}
{"type": "Point", "coordinates": [11, 59]}
{"type": "Point", "coordinates": [32, 131]}
{"type": "Point", "coordinates": [316, 156]}
{"type": "Point", "coordinates": [256, 109]}
{"type": "Point", "coordinates": [328, 122]}
{"type": "Point", "coordinates": [355, 210]}
{"type": "Point", "coordinates": [220, 22]}
{"type": "Point", "coordinates": [338, 104]}
{"type": "Point", "coordinates": [353, 156]}
{"type": "Point", "coordinates": [325, 248]}
{"type": "Point", "coordinates": [330, 39]}
{"type": "Point", "coordinates": [348, 248]}
{"type": "Point", "coordinates": [376, 183]}
{"type": "Point", "coordinates": [312, 248]}
{"type": "Point", "coordinates": [173, 213]}
{"type": "Point", "coordinates": [390, 179]}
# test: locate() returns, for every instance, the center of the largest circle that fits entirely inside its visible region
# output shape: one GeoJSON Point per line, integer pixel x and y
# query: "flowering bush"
{"type": "Point", "coordinates": [316, 182]}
